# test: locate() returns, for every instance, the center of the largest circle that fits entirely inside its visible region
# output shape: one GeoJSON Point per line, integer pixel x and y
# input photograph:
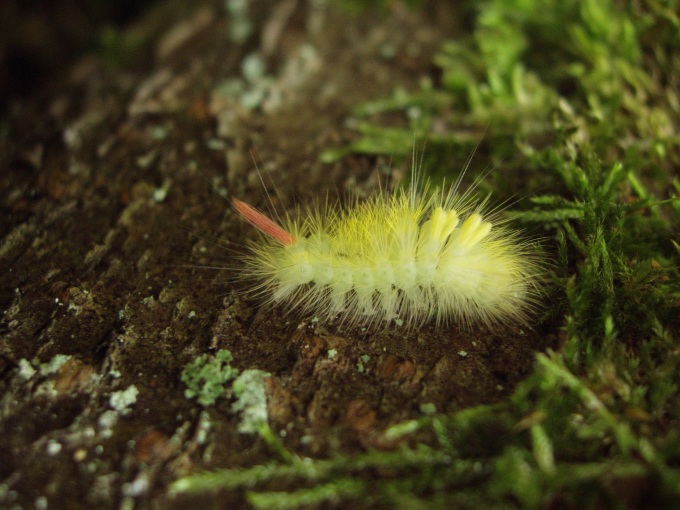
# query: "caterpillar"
{"type": "Point", "coordinates": [410, 256]}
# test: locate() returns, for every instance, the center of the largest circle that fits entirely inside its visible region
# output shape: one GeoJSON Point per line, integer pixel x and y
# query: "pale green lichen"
{"type": "Point", "coordinates": [122, 400]}
{"type": "Point", "coordinates": [211, 377]}
{"type": "Point", "coordinates": [54, 364]}
{"type": "Point", "coordinates": [26, 370]}
{"type": "Point", "coordinates": [240, 25]}
{"type": "Point", "coordinates": [207, 376]}
{"type": "Point", "coordinates": [204, 426]}
{"type": "Point", "coordinates": [251, 400]}
{"type": "Point", "coordinates": [363, 359]}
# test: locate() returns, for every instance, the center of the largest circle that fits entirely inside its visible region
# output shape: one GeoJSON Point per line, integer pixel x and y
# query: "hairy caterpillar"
{"type": "Point", "coordinates": [406, 257]}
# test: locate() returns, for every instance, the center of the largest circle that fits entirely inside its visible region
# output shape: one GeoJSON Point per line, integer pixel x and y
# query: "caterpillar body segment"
{"type": "Point", "coordinates": [396, 257]}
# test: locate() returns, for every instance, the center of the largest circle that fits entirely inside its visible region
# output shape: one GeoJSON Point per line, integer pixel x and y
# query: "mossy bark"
{"type": "Point", "coordinates": [111, 208]}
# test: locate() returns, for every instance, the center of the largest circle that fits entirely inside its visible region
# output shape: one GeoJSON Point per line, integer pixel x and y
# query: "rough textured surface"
{"type": "Point", "coordinates": [110, 206]}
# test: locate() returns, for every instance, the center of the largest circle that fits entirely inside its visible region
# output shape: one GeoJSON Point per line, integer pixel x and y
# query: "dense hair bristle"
{"type": "Point", "coordinates": [407, 257]}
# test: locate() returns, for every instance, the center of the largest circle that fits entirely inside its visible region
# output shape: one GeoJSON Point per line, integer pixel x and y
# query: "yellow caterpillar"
{"type": "Point", "coordinates": [407, 257]}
